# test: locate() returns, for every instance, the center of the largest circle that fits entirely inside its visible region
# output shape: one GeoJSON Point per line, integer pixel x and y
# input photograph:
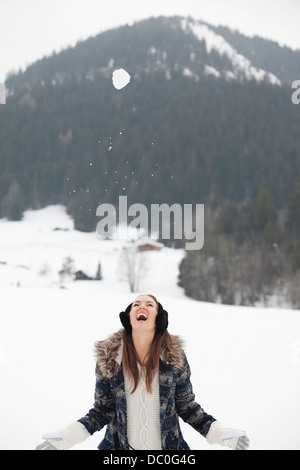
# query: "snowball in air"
{"type": "Point", "coordinates": [120, 78]}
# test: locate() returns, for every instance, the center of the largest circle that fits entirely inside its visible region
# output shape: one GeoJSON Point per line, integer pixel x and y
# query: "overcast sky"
{"type": "Point", "coordinates": [31, 29]}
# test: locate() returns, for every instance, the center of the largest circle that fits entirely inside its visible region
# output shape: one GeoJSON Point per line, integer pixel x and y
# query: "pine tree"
{"type": "Point", "coordinates": [13, 202]}
{"type": "Point", "coordinates": [98, 276]}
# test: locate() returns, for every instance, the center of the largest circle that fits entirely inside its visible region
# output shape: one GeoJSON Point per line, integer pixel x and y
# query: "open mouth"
{"type": "Point", "coordinates": [141, 317]}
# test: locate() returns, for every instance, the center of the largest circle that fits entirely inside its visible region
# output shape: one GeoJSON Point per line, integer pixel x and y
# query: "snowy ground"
{"type": "Point", "coordinates": [245, 361]}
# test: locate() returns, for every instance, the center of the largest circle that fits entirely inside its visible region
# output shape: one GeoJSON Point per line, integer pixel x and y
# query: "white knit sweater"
{"type": "Point", "coordinates": [143, 421]}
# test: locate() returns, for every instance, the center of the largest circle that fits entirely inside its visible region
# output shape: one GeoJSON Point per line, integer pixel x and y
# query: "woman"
{"type": "Point", "coordinates": [142, 388]}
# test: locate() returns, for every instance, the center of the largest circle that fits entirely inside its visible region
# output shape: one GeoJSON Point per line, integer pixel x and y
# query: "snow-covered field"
{"type": "Point", "coordinates": [245, 361]}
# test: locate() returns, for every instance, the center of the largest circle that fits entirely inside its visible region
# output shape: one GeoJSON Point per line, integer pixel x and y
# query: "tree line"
{"type": "Point", "coordinates": [251, 255]}
{"type": "Point", "coordinates": [185, 142]}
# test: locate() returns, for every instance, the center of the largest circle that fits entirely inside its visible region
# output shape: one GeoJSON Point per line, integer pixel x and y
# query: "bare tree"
{"type": "Point", "coordinates": [133, 265]}
{"type": "Point", "coordinates": [67, 269]}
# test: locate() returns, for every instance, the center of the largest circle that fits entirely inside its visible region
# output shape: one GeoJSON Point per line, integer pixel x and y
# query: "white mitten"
{"type": "Point", "coordinates": [53, 441]}
{"type": "Point", "coordinates": [233, 438]}
{"type": "Point", "coordinates": [65, 438]}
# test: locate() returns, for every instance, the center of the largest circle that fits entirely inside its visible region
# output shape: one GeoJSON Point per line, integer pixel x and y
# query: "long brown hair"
{"type": "Point", "coordinates": [131, 360]}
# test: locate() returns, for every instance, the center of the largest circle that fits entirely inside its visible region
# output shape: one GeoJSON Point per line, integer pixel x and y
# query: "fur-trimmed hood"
{"type": "Point", "coordinates": [109, 353]}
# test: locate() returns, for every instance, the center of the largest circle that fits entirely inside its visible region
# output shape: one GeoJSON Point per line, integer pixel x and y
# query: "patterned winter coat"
{"type": "Point", "coordinates": [176, 397]}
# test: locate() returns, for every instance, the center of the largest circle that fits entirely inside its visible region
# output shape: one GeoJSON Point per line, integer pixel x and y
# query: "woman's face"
{"type": "Point", "coordinates": [143, 313]}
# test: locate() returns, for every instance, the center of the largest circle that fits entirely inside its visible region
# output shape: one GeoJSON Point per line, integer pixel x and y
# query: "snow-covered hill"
{"type": "Point", "coordinates": [241, 66]}
{"type": "Point", "coordinates": [209, 54]}
{"type": "Point", "coordinates": [245, 361]}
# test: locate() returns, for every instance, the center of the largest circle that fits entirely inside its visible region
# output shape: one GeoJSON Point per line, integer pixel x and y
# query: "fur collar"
{"type": "Point", "coordinates": [109, 353]}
